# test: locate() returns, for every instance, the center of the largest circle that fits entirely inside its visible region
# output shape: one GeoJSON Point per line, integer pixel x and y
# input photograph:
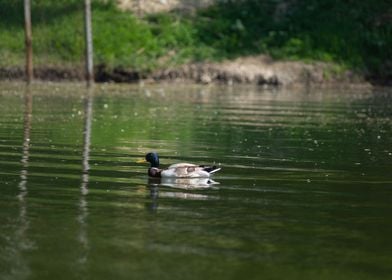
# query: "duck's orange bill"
{"type": "Point", "coordinates": [141, 160]}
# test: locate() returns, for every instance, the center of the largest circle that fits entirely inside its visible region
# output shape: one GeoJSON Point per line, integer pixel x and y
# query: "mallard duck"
{"type": "Point", "coordinates": [177, 170]}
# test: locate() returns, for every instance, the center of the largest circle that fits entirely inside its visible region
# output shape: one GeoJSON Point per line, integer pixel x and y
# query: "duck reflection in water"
{"type": "Point", "coordinates": [176, 184]}
{"type": "Point", "coordinates": [183, 183]}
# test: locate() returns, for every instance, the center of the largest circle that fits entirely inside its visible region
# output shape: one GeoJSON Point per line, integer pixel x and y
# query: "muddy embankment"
{"type": "Point", "coordinates": [257, 70]}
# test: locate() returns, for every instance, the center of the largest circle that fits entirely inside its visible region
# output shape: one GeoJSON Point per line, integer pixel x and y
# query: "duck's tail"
{"type": "Point", "coordinates": [211, 169]}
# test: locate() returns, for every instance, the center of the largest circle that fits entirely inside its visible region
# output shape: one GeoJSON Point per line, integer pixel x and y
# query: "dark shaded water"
{"type": "Point", "coordinates": [304, 192]}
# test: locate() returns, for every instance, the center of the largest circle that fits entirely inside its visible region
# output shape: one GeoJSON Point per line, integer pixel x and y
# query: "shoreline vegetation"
{"type": "Point", "coordinates": [282, 42]}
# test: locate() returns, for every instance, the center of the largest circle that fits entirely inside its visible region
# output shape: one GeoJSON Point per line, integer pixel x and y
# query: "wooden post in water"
{"type": "Point", "coordinates": [88, 43]}
{"type": "Point", "coordinates": [28, 41]}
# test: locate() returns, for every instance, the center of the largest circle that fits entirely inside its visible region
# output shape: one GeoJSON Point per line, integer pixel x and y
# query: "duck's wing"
{"type": "Point", "coordinates": [209, 168]}
{"type": "Point", "coordinates": [182, 164]}
{"type": "Point", "coordinates": [190, 171]}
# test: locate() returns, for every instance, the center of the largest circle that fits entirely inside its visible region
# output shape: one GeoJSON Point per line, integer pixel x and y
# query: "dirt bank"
{"type": "Point", "coordinates": [157, 6]}
{"type": "Point", "coordinates": [258, 70]}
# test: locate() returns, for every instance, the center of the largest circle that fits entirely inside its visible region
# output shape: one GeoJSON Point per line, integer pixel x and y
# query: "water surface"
{"type": "Point", "coordinates": [304, 191]}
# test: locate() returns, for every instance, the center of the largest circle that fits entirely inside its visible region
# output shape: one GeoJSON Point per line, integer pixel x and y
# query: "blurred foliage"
{"type": "Point", "coordinates": [355, 34]}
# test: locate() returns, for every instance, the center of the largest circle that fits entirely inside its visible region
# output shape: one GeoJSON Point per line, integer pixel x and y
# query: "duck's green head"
{"type": "Point", "coordinates": [153, 158]}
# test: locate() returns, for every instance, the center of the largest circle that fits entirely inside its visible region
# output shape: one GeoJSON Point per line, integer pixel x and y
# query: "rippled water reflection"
{"type": "Point", "coordinates": [304, 190]}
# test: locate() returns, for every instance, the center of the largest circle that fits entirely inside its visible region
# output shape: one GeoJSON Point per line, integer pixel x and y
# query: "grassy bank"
{"type": "Point", "coordinates": [352, 34]}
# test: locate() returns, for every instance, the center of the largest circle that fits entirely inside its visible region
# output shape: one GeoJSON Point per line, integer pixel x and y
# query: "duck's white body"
{"type": "Point", "coordinates": [186, 170]}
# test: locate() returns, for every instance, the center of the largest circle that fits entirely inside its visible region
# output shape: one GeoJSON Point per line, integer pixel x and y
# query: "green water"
{"type": "Point", "coordinates": [305, 190]}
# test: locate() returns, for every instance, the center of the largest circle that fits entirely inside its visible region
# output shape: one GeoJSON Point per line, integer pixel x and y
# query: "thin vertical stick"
{"type": "Point", "coordinates": [88, 42]}
{"type": "Point", "coordinates": [28, 42]}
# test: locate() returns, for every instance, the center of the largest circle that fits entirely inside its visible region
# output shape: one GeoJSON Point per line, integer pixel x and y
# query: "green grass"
{"type": "Point", "coordinates": [353, 34]}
